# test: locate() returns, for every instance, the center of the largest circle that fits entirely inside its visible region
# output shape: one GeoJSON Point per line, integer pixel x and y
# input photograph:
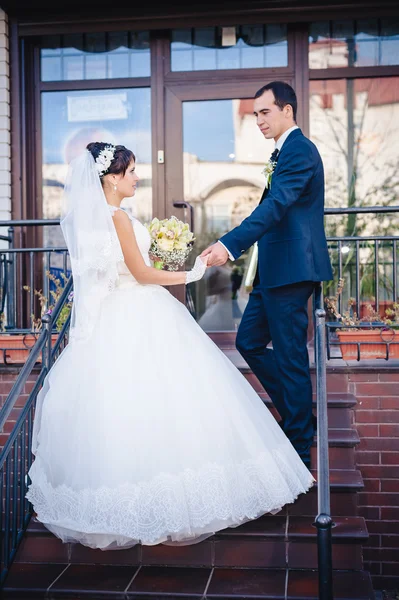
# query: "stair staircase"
{"type": "Point", "coordinates": [274, 557]}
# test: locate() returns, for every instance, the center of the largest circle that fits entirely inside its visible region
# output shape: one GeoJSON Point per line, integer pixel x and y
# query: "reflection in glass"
{"type": "Point", "coordinates": [224, 154]}
{"type": "Point", "coordinates": [245, 47]}
{"type": "Point", "coordinates": [100, 55]}
{"type": "Point", "coordinates": [361, 43]}
{"type": "Point", "coordinates": [70, 120]}
{"type": "Point", "coordinates": [355, 125]}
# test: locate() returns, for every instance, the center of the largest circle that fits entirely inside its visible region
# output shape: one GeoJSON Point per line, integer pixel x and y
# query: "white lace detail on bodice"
{"type": "Point", "coordinates": [143, 241]}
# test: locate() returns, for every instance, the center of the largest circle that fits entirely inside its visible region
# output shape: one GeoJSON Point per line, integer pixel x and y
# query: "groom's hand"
{"type": "Point", "coordinates": [217, 255]}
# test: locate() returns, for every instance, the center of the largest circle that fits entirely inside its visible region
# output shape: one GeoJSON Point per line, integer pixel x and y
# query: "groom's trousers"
{"type": "Point", "coordinates": [280, 315]}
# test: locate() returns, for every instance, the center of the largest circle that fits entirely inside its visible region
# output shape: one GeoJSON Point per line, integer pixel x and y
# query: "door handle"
{"type": "Point", "coordinates": [184, 204]}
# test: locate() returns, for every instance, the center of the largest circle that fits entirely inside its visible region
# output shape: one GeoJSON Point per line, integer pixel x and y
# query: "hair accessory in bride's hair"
{"type": "Point", "coordinates": [104, 159]}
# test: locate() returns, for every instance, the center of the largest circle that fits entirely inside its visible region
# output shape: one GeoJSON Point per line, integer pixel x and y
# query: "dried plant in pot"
{"type": "Point", "coordinates": [15, 347]}
{"type": "Point", "coordinates": [370, 337]}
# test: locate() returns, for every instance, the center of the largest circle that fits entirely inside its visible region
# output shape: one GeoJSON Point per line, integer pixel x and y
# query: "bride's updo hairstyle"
{"type": "Point", "coordinates": [122, 157]}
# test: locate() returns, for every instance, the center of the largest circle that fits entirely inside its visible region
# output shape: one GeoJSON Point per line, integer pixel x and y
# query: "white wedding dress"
{"type": "Point", "coordinates": [146, 433]}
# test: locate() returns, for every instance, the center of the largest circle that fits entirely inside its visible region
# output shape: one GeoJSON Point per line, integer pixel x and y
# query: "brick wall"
{"type": "Point", "coordinates": [5, 168]}
{"type": "Point", "coordinates": [7, 380]}
{"type": "Point", "coordinates": [377, 422]}
{"type": "Point", "coordinates": [376, 418]}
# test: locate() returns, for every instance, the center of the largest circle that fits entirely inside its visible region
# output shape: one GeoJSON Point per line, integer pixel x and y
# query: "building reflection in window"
{"type": "Point", "coordinates": [224, 154]}
{"type": "Point", "coordinates": [70, 120]}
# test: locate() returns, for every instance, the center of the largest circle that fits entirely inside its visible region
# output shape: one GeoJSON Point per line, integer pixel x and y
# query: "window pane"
{"type": "Point", "coordinates": [91, 56]}
{"type": "Point", "coordinates": [140, 64]}
{"type": "Point", "coordinates": [70, 120]}
{"type": "Point", "coordinates": [389, 52]}
{"type": "Point", "coordinates": [96, 66]}
{"type": "Point", "coordinates": [252, 58]}
{"type": "Point", "coordinates": [73, 67]}
{"type": "Point", "coordinates": [118, 65]}
{"type": "Point", "coordinates": [220, 48]}
{"type": "Point", "coordinates": [51, 69]}
{"type": "Point", "coordinates": [365, 42]}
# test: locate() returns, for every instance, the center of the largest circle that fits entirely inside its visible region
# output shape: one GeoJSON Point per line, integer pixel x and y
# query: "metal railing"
{"type": "Point", "coordinates": [22, 267]}
{"type": "Point", "coordinates": [17, 511]}
{"type": "Point", "coordinates": [323, 520]}
{"type": "Point", "coordinates": [16, 456]}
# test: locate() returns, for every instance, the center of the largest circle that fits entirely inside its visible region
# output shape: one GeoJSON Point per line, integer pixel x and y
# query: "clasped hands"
{"type": "Point", "coordinates": [217, 255]}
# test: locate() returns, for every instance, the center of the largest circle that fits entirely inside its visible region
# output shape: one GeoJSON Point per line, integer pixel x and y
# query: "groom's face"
{"type": "Point", "coordinates": [271, 120]}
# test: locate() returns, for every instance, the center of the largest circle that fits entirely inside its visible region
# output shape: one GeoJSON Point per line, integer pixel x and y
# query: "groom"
{"type": "Point", "coordinates": [288, 225]}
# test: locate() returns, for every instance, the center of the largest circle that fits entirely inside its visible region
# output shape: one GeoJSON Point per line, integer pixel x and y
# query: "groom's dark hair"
{"type": "Point", "coordinates": [283, 94]}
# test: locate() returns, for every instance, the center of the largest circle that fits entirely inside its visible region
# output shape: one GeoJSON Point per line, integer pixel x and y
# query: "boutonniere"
{"type": "Point", "coordinates": [268, 171]}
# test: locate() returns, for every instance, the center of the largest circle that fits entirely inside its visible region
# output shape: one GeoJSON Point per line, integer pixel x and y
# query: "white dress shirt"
{"type": "Point", "coordinates": [278, 146]}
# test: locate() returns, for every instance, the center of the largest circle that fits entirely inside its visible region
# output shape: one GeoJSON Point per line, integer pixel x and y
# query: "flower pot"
{"type": "Point", "coordinates": [375, 347]}
{"type": "Point", "coordinates": [382, 307]}
{"type": "Point", "coordinates": [14, 349]}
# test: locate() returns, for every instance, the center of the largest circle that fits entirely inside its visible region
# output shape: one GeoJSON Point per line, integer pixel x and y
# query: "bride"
{"type": "Point", "coordinates": [144, 431]}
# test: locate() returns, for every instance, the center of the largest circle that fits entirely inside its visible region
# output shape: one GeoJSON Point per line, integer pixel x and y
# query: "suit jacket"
{"type": "Point", "coordinates": [288, 224]}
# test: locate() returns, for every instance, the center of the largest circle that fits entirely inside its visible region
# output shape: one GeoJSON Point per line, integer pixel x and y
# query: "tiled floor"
{"type": "Point", "coordinates": [174, 583]}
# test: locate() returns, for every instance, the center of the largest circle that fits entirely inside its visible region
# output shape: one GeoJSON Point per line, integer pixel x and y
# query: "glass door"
{"type": "Point", "coordinates": [220, 179]}
{"type": "Point", "coordinates": [223, 158]}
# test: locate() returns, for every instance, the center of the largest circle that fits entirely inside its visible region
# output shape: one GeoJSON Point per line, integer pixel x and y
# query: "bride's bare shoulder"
{"type": "Point", "coordinates": [122, 220]}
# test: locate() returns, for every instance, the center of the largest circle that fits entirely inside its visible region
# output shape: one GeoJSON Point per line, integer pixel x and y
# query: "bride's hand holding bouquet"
{"type": "Point", "coordinates": [172, 242]}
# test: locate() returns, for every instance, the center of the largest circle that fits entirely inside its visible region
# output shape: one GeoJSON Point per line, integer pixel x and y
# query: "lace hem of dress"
{"type": "Point", "coordinates": [172, 507]}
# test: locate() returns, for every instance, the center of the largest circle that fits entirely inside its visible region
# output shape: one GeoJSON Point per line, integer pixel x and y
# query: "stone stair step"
{"type": "Point", "coordinates": [173, 583]}
{"type": "Point", "coordinates": [341, 438]}
{"type": "Point", "coordinates": [269, 542]}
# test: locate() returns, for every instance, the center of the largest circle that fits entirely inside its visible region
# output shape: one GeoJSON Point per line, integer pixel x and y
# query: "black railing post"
{"type": "Point", "coordinates": [11, 279]}
{"type": "Point", "coordinates": [47, 324]}
{"type": "Point", "coordinates": [323, 520]}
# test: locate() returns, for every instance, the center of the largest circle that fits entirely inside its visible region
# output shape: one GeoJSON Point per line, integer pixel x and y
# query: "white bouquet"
{"type": "Point", "coordinates": [172, 242]}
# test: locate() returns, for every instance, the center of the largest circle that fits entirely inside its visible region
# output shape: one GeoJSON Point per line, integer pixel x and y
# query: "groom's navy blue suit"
{"type": "Point", "coordinates": [288, 225]}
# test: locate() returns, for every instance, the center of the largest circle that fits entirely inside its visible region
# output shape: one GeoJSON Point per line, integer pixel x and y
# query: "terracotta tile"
{"type": "Point", "coordinates": [347, 586]}
{"type": "Point", "coordinates": [42, 549]}
{"type": "Point", "coordinates": [342, 504]}
{"type": "Point", "coordinates": [169, 580]}
{"type": "Point", "coordinates": [83, 555]}
{"type": "Point", "coordinates": [303, 555]}
{"type": "Point", "coordinates": [107, 579]}
{"type": "Point", "coordinates": [196, 555]}
{"type": "Point", "coordinates": [256, 583]}
{"type": "Point", "coordinates": [343, 527]}
{"type": "Point", "coordinates": [36, 578]}
{"type": "Point", "coordinates": [250, 553]}
{"type": "Point", "coordinates": [266, 526]}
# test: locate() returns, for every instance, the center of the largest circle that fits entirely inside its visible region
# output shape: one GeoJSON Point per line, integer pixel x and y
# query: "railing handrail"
{"type": "Point", "coordinates": [35, 250]}
{"type": "Point", "coordinates": [27, 222]}
{"type": "Point", "coordinates": [365, 238]}
{"type": "Point", "coordinates": [327, 211]}
{"type": "Point", "coordinates": [350, 210]}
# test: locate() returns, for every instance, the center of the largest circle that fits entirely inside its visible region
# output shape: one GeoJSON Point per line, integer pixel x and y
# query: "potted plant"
{"type": "Point", "coordinates": [15, 348]}
{"type": "Point", "coordinates": [370, 335]}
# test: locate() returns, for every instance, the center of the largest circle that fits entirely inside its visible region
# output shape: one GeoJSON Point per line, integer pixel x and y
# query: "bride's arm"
{"type": "Point", "coordinates": [134, 260]}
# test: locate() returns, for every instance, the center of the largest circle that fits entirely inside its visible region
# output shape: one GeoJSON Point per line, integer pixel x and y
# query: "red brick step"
{"type": "Point", "coordinates": [177, 583]}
